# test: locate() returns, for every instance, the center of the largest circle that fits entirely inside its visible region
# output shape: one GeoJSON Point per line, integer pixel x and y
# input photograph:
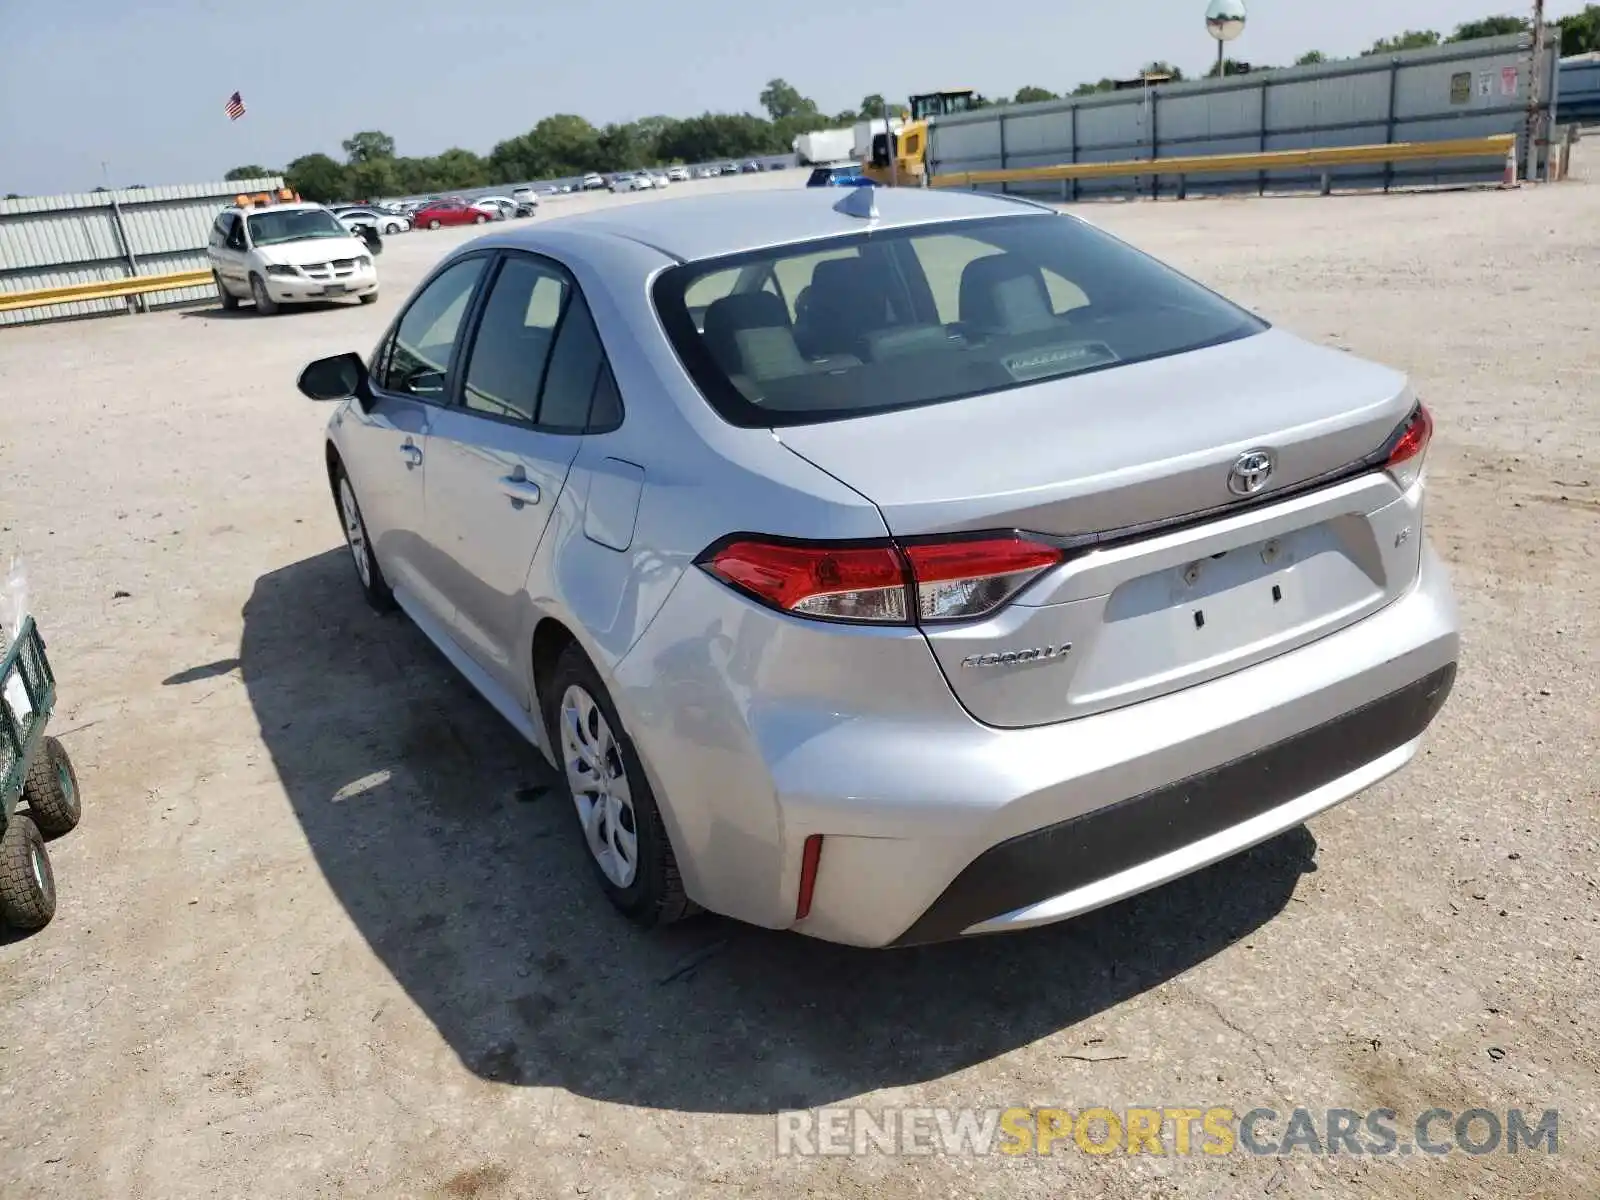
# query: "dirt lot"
{"type": "Point", "coordinates": [322, 934]}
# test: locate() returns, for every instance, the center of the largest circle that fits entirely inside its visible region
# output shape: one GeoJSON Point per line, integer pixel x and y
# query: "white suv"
{"type": "Point", "coordinates": [288, 254]}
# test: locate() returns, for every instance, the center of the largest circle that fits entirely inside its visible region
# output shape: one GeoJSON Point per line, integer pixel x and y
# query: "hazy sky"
{"type": "Point", "coordinates": [140, 84]}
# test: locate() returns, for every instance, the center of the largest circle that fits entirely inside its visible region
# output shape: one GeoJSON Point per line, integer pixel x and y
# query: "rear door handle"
{"type": "Point", "coordinates": [520, 489]}
{"type": "Point", "coordinates": [412, 454]}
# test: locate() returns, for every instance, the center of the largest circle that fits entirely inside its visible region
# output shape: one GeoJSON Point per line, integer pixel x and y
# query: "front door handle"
{"type": "Point", "coordinates": [412, 454]}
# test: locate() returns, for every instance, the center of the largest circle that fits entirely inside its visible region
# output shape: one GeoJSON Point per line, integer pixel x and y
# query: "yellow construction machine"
{"type": "Point", "coordinates": [899, 154]}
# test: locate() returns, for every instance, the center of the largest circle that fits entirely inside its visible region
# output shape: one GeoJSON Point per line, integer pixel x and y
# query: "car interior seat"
{"type": "Point", "coordinates": [749, 334]}
{"type": "Point", "coordinates": [1004, 294]}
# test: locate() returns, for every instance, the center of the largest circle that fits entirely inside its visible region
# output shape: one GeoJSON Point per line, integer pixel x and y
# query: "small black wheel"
{"type": "Point", "coordinates": [391, 229]}
{"type": "Point", "coordinates": [617, 814]}
{"type": "Point", "coordinates": [27, 884]}
{"type": "Point", "coordinates": [265, 304]}
{"type": "Point", "coordinates": [373, 585]}
{"type": "Point", "coordinates": [51, 790]}
{"type": "Point", "coordinates": [229, 300]}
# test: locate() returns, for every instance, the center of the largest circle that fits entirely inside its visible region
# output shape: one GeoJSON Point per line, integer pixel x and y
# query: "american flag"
{"type": "Point", "coordinates": [235, 107]}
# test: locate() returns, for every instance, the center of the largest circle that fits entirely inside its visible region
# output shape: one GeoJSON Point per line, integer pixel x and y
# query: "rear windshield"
{"type": "Point", "coordinates": [822, 330]}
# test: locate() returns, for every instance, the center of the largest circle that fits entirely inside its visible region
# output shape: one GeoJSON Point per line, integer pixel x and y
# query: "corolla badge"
{"type": "Point", "coordinates": [1012, 658]}
{"type": "Point", "coordinates": [1250, 472]}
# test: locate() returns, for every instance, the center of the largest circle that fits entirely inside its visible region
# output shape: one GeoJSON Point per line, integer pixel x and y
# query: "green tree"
{"type": "Point", "coordinates": [782, 100]}
{"type": "Point", "coordinates": [1033, 95]}
{"type": "Point", "coordinates": [1580, 32]}
{"type": "Point", "coordinates": [1411, 39]}
{"type": "Point", "coordinates": [1100, 85]}
{"type": "Point", "coordinates": [1489, 27]}
{"type": "Point", "coordinates": [316, 177]}
{"type": "Point", "coordinates": [1310, 58]}
{"type": "Point", "coordinates": [1231, 66]}
{"type": "Point", "coordinates": [372, 178]}
{"type": "Point", "coordinates": [250, 172]}
{"type": "Point", "coordinates": [872, 106]}
{"type": "Point", "coordinates": [368, 145]}
{"type": "Point", "coordinates": [620, 148]}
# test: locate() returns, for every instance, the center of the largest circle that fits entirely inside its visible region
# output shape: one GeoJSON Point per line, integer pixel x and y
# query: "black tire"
{"type": "Point", "coordinates": [479, 219]}
{"type": "Point", "coordinates": [655, 896]}
{"type": "Point", "coordinates": [433, 224]}
{"type": "Point", "coordinates": [27, 884]}
{"type": "Point", "coordinates": [391, 229]}
{"type": "Point", "coordinates": [51, 790]}
{"type": "Point", "coordinates": [265, 304]}
{"type": "Point", "coordinates": [369, 297]}
{"type": "Point", "coordinates": [230, 302]}
{"type": "Point", "coordinates": [373, 585]}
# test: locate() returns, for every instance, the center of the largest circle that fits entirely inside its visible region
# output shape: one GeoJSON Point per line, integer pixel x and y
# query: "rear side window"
{"type": "Point", "coordinates": [537, 356]}
{"type": "Point", "coordinates": [927, 314]}
{"type": "Point", "coordinates": [514, 340]}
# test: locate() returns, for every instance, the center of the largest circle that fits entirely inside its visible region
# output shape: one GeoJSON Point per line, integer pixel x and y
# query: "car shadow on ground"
{"type": "Point", "coordinates": [247, 312]}
{"type": "Point", "coordinates": [455, 854]}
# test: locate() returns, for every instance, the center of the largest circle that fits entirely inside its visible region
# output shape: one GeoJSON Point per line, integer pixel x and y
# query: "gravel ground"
{"type": "Point", "coordinates": [322, 934]}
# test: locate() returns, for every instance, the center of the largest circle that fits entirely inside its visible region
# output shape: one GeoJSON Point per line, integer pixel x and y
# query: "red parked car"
{"type": "Point", "coordinates": [448, 212]}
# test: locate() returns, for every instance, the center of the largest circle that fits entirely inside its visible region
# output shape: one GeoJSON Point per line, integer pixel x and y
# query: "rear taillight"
{"type": "Point", "coordinates": [882, 582]}
{"type": "Point", "coordinates": [969, 578]}
{"type": "Point", "coordinates": [1408, 448]}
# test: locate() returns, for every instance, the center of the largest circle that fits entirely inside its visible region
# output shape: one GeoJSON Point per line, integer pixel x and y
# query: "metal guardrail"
{"type": "Point", "coordinates": [1500, 145]}
{"type": "Point", "coordinates": [103, 289]}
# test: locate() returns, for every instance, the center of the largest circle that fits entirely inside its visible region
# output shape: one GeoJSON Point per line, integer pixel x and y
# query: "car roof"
{"type": "Point", "coordinates": [288, 205]}
{"type": "Point", "coordinates": [699, 227]}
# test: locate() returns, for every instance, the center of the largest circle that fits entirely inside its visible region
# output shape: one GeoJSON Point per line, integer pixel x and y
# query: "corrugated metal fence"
{"type": "Point", "coordinates": [1461, 90]}
{"type": "Point", "coordinates": [1580, 89]}
{"type": "Point", "coordinates": [52, 241]}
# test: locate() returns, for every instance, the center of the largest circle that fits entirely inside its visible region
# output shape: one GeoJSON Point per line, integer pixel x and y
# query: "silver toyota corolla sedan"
{"type": "Point", "coordinates": [895, 567]}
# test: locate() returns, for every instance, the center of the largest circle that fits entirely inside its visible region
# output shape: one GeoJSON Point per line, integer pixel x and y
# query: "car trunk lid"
{"type": "Point", "coordinates": [1171, 577]}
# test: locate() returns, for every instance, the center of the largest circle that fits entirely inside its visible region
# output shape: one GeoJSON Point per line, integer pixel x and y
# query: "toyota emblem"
{"type": "Point", "coordinates": [1250, 472]}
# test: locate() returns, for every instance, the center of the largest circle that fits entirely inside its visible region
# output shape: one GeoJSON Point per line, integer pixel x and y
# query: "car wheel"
{"type": "Point", "coordinates": [433, 224]}
{"type": "Point", "coordinates": [51, 790]}
{"type": "Point", "coordinates": [229, 300]}
{"type": "Point", "coordinates": [617, 813]}
{"type": "Point", "coordinates": [479, 219]}
{"type": "Point", "coordinates": [373, 585]}
{"type": "Point", "coordinates": [27, 884]}
{"type": "Point", "coordinates": [391, 229]}
{"type": "Point", "coordinates": [265, 304]}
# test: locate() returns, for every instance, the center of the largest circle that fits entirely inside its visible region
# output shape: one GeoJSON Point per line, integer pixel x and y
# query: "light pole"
{"type": "Point", "coordinates": [1224, 21]}
{"type": "Point", "coordinates": [1535, 124]}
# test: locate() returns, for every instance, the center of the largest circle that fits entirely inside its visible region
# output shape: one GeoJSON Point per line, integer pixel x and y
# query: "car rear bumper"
{"type": "Point", "coordinates": [1072, 866]}
{"type": "Point", "coordinates": [935, 826]}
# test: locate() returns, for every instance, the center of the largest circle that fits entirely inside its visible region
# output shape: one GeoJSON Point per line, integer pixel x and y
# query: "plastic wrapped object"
{"type": "Point", "coordinates": [13, 604]}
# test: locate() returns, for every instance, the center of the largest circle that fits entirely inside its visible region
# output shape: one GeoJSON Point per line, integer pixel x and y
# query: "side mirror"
{"type": "Point", "coordinates": [342, 377]}
{"type": "Point", "coordinates": [369, 235]}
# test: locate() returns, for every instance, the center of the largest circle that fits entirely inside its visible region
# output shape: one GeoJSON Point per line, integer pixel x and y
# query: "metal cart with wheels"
{"type": "Point", "coordinates": [35, 768]}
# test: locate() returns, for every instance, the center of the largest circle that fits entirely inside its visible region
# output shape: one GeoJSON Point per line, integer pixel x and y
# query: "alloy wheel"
{"type": "Point", "coordinates": [599, 782]}
{"type": "Point", "coordinates": [354, 532]}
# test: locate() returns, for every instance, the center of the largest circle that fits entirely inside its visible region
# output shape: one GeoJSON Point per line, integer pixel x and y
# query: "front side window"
{"type": "Point", "coordinates": [417, 362]}
{"type": "Point", "coordinates": [927, 314]}
{"type": "Point", "coordinates": [275, 226]}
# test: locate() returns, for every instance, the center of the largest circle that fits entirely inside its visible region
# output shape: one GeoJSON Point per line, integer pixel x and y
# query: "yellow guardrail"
{"type": "Point", "coordinates": [1499, 145]}
{"type": "Point", "coordinates": [103, 289]}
